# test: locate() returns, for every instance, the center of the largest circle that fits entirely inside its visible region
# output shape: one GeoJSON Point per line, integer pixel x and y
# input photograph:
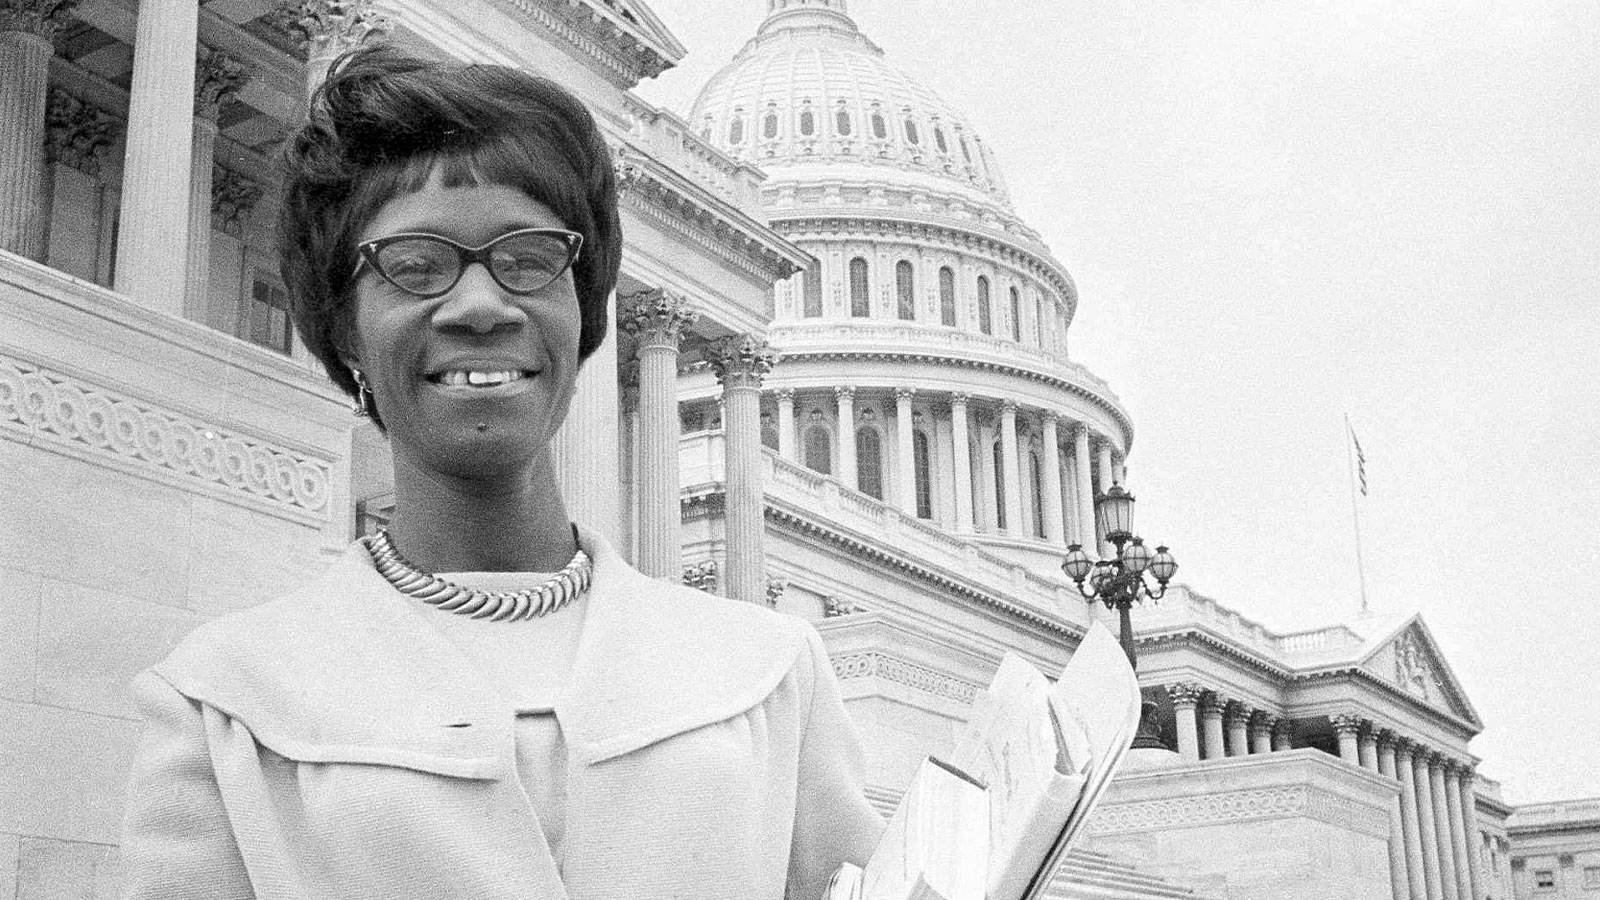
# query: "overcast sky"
{"type": "Point", "coordinates": [1280, 213]}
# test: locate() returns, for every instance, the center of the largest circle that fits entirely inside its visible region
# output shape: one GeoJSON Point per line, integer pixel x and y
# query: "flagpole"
{"type": "Point", "coordinates": [1355, 512]}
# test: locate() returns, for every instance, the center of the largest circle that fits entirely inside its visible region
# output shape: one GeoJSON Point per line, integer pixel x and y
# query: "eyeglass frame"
{"type": "Point", "coordinates": [367, 255]}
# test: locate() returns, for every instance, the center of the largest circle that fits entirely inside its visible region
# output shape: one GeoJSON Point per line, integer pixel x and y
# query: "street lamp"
{"type": "Point", "coordinates": [1120, 582]}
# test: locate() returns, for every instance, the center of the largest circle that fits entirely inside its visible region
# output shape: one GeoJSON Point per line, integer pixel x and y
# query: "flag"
{"type": "Point", "coordinates": [1361, 460]}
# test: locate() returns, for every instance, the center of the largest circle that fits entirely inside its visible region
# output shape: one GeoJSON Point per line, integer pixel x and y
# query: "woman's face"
{"type": "Point", "coordinates": [413, 351]}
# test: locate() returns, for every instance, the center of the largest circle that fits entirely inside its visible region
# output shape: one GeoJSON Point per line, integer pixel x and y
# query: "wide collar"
{"type": "Point", "coordinates": [343, 670]}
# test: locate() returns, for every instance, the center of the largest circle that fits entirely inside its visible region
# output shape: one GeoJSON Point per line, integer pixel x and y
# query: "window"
{"type": "Point", "coordinates": [911, 132]}
{"type": "Point", "coordinates": [947, 296]}
{"type": "Point", "coordinates": [860, 302]}
{"type": "Point", "coordinates": [999, 484]}
{"type": "Point", "coordinates": [841, 122]}
{"type": "Point", "coordinates": [965, 153]}
{"type": "Point", "coordinates": [869, 462]}
{"type": "Point", "coordinates": [924, 474]}
{"type": "Point", "coordinates": [808, 123]}
{"type": "Point", "coordinates": [1544, 879]}
{"type": "Point", "coordinates": [769, 124]}
{"type": "Point", "coordinates": [264, 319]}
{"type": "Point", "coordinates": [938, 140]}
{"type": "Point", "coordinates": [1038, 321]}
{"type": "Point", "coordinates": [811, 286]}
{"type": "Point", "coordinates": [1016, 315]}
{"type": "Point", "coordinates": [879, 129]}
{"type": "Point", "coordinates": [1038, 495]}
{"type": "Point", "coordinates": [736, 130]}
{"type": "Point", "coordinates": [904, 290]}
{"type": "Point", "coordinates": [985, 316]}
{"type": "Point", "coordinates": [819, 450]}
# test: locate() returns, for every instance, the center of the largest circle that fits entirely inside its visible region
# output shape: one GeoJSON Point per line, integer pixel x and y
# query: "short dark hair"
{"type": "Point", "coordinates": [381, 124]}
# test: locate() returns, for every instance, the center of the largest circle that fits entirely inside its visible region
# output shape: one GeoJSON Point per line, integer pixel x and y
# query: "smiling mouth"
{"type": "Point", "coordinates": [477, 379]}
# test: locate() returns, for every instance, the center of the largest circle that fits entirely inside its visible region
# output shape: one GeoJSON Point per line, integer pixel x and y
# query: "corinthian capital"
{"type": "Point", "coordinates": [658, 316]}
{"type": "Point", "coordinates": [742, 360]}
{"type": "Point", "coordinates": [1185, 693]}
{"type": "Point", "coordinates": [38, 17]}
{"type": "Point", "coordinates": [330, 27]}
{"type": "Point", "coordinates": [77, 134]}
{"type": "Point", "coordinates": [217, 80]}
{"type": "Point", "coordinates": [233, 197]}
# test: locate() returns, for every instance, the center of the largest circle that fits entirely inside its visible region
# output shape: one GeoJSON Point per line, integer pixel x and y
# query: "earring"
{"type": "Point", "coordinates": [364, 406]}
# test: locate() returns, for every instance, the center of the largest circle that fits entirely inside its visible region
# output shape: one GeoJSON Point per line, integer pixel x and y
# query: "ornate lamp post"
{"type": "Point", "coordinates": [1120, 582]}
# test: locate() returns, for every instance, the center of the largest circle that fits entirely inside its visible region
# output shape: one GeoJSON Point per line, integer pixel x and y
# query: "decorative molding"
{"type": "Point", "coordinates": [741, 360]}
{"type": "Point", "coordinates": [1225, 807]}
{"type": "Point", "coordinates": [775, 588]}
{"type": "Point", "coordinates": [619, 53]}
{"type": "Point", "coordinates": [78, 133]}
{"type": "Point", "coordinates": [233, 197]}
{"type": "Point", "coordinates": [701, 576]}
{"type": "Point", "coordinates": [42, 18]}
{"type": "Point", "coordinates": [833, 607]}
{"type": "Point", "coordinates": [873, 664]}
{"type": "Point", "coordinates": [51, 410]}
{"type": "Point", "coordinates": [217, 80]}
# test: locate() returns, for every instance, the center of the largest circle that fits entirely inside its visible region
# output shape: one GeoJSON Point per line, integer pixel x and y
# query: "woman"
{"type": "Point", "coordinates": [485, 702]}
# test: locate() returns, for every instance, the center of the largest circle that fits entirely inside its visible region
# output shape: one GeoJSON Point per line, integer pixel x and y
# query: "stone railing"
{"type": "Point", "coordinates": [671, 141]}
{"type": "Point", "coordinates": [1337, 637]}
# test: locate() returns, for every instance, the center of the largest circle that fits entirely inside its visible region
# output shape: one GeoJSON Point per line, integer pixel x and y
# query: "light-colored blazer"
{"type": "Point", "coordinates": [333, 745]}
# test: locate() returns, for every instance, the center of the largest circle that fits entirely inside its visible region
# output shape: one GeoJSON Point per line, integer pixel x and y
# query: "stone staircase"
{"type": "Point", "coordinates": [1088, 875]}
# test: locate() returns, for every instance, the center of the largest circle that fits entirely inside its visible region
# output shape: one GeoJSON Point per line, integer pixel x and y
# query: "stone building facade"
{"type": "Point", "coordinates": [1555, 850]}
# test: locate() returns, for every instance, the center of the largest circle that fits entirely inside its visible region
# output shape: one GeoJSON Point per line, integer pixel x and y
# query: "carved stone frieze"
{"type": "Point", "coordinates": [741, 360]}
{"type": "Point", "coordinates": [899, 671]}
{"type": "Point", "coordinates": [1413, 670]}
{"type": "Point", "coordinates": [77, 133]}
{"type": "Point", "coordinates": [51, 410]}
{"type": "Point", "coordinates": [217, 80]}
{"type": "Point", "coordinates": [1290, 801]}
{"type": "Point", "coordinates": [40, 17]}
{"type": "Point", "coordinates": [233, 197]}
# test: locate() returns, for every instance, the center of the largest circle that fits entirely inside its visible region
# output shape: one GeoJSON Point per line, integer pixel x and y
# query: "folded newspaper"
{"type": "Point", "coordinates": [995, 821]}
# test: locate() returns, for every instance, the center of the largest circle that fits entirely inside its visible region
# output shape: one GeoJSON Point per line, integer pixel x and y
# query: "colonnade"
{"type": "Point", "coordinates": [979, 492]}
{"type": "Point", "coordinates": [1433, 825]}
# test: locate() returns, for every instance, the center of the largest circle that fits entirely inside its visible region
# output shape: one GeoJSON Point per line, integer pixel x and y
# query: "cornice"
{"type": "Point", "coordinates": [627, 58]}
{"type": "Point", "coordinates": [845, 355]}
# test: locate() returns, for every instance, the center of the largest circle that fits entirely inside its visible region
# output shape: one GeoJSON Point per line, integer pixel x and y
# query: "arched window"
{"type": "Point", "coordinates": [904, 291]}
{"type": "Point", "coordinates": [1038, 495]}
{"type": "Point", "coordinates": [841, 122]}
{"type": "Point", "coordinates": [869, 462]}
{"type": "Point", "coordinates": [811, 286]}
{"type": "Point", "coordinates": [1016, 314]}
{"type": "Point", "coordinates": [769, 124]}
{"type": "Point", "coordinates": [879, 129]}
{"type": "Point", "coordinates": [985, 315]}
{"type": "Point", "coordinates": [999, 484]}
{"type": "Point", "coordinates": [819, 450]}
{"type": "Point", "coordinates": [911, 132]}
{"type": "Point", "coordinates": [736, 130]}
{"type": "Point", "coordinates": [860, 301]}
{"type": "Point", "coordinates": [947, 296]}
{"type": "Point", "coordinates": [924, 474]}
{"type": "Point", "coordinates": [808, 123]}
{"type": "Point", "coordinates": [938, 140]}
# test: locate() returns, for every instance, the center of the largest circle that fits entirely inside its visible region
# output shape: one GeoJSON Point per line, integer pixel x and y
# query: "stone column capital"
{"type": "Point", "coordinates": [1008, 406]}
{"type": "Point", "coordinates": [784, 394]}
{"type": "Point", "coordinates": [1281, 727]}
{"type": "Point", "coordinates": [217, 80]}
{"type": "Point", "coordinates": [42, 18]}
{"type": "Point", "coordinates": [233, 197]}
{"type": "Point", "coordinates": [1387, 739]}
{"type": "Point", "coordinates": [330, 27]}
{"type": "Point", "coordinates": [904, 393]}
{"type": "Point", "coordinates": [1238, 709]}
{"type": "Point", "coordinates": [960, 397]}
{"type": "Point", "coordinates": [77, 133]}
{"type": "Point", "coordinates": [1261, 720]}
{"type": "Point", "coordinates": [741, 360]}
{"type": "Point", "coordinates": [844, 394]}
{"type": "Point", "coordinates": [1211, 705]}
{"type": "Point", "coordinates": [1185, 693]}
{"type": "Point", "coordinates": [1346, 723]}
{"type": "Point", "coordinates": [1049, 417]}
{"type": "Point", "coordinates": [658, 316]}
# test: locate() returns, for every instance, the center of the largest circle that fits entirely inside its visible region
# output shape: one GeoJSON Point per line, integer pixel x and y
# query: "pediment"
{"type": "Point", "coordinates": [1410, 659]}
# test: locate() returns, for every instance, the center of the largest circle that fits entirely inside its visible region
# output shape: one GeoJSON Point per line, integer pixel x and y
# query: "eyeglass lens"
{"type": "Point", "coordinates": [519, 262]}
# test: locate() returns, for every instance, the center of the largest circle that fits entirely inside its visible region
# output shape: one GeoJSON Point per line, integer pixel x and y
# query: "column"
{"type": "Point", "coordinates": [1367, 747]}
{"type": "Point", "coordinates": [217, 79]}
{"type": "Point", "coordinates": [1108, 475]}
{"type": "Point", "coordinates": [1053, 531]}
{"type": "Point", "coordinates": [1012, 473]}
{"type": "Point", "coordinates": [786, 448]}
{"type": "Point", "coordinates": [153, 232]}
{"type": "Point", "coordinates": [1411, 825]}
{"type": "Point", "coordinates": [1399, 878]}
{"type": "Point", "coordinates": [905, 440]}
{"type": "Point", "coordinates": [961, 461]}
{"type": "Point", "coordinates": [658, 318]}
{"type": "Point", "coordinates": [587, 451]}
{"type": "Point", "coordinates": [1426, 822]}
{"type": "Point", "coordinates": [26, 29]}
{"type": "Point", "coordinates": [1282, 735]}
{"type": "Point", "coordinates": [1238, 729]}
{"type": "Point", "coordinates": [78, 137]}
{"type": "Point", "coordinates": [740, 362]}
{"type": "Point", "coordinates": [1460, 845]}
{"type": "Point", "coordinates": [1211, 726]}
{"type": "Point", "coordinates": [1185, 697]}
{"type": "Point", "coordinates": [1347, 725]}
{"type": "Point", "coordinates": [1441, 826]}
{"type": "Point", "coordinates": [989, 513]}
{"type": "Point", "coordinates": [328, 28]}
{"type": "Point", "coordinates": [1261, 724]}
{"type": "Point", "coordinates": [847, 434]}
{"type": "Point", "coordinates": [1086, 530]}
{"type": "Point", "coordinates": [1469, 821]}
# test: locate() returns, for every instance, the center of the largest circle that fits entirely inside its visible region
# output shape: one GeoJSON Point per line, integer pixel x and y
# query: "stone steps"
{"type": "Point", "coordinates": [1087, 875]}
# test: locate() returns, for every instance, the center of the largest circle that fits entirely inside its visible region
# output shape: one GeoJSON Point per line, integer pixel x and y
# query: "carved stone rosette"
{"type": "Point", "coordinates": [77, 133]}
{"type": "Point", "coordinates": [37, 17]}
{"type": "Point", "coordinates": [658, 316]}
{"type": "Point", "coordinates": [742, 360]}
{"type": "Point", "coordinates": [217, 80]}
